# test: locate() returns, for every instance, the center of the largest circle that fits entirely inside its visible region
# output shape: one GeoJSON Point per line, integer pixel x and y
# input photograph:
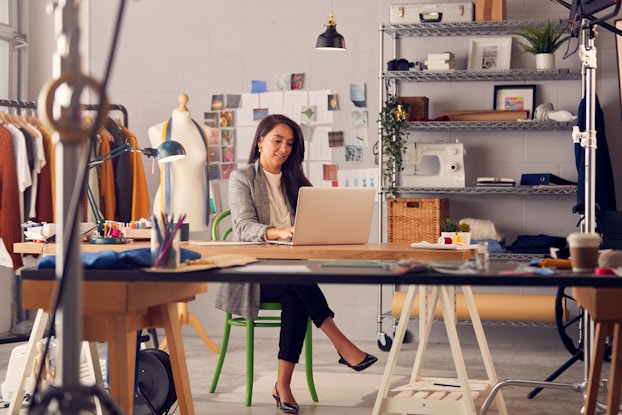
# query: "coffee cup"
{"type": "Point", "coordinates": [583, 251]}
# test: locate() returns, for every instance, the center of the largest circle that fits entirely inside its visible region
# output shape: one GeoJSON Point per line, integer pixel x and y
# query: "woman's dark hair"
{"type": "Point", "coordinates": [293, 176]}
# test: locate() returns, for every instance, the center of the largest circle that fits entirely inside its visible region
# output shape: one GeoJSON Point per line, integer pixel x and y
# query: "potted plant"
{"type": "Point", "coordinates": [394, 131]}
{"type": "Point", "coordinates": [543, 42]}
{"type": "Point", "coordinates": [463, 233]}
{"type": "Point", "coordinates": [449, 227]}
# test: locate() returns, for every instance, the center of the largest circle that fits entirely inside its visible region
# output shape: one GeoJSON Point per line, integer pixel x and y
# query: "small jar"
{"type": "Point", "coordinates": [482, 259]}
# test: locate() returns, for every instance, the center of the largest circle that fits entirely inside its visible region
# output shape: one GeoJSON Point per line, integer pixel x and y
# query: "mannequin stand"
{"type": "Point", "coordinates": [186, 317]}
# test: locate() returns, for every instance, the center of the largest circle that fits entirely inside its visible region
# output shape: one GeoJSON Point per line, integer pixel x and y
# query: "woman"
{"type": "Point", "coordinates": [262, 199]}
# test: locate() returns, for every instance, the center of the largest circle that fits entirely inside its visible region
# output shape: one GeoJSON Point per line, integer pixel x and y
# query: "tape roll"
{"type": "Point", "coordinates": [444, 240]}
{"type": "Point", "coordinates": [502, 307]}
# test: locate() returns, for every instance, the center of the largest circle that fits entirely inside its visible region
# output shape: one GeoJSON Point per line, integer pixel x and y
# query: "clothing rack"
{"type": "Point", "coordinates": [32, 105]}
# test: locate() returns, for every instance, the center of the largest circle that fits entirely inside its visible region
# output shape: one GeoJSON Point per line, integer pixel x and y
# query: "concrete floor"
{"type": "Point", "coordinates": [342, 391]}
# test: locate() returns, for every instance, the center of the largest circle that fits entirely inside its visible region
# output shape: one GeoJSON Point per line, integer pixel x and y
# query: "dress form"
{"type": "Point", "coordinates": [188, 175]}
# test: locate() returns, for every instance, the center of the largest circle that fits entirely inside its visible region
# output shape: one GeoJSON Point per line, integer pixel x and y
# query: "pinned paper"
{"type": "Point", "coordinates": [259, 86]}
{"type": "Point", "coordinates": [357, 95]}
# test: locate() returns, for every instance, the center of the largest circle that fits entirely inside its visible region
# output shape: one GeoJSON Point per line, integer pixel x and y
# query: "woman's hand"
{"type": "Point", "coordinates": [274, 234]}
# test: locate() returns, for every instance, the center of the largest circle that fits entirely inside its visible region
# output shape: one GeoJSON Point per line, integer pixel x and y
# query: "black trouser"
{"type": "Point", "coordinates": [298, 302]}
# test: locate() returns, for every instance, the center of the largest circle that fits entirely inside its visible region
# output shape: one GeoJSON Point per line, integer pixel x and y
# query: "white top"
{"type": "Point", "coordinates": [279, 215]}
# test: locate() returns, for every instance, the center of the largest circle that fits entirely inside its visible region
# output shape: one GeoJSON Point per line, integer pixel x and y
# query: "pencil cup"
{"type": "Point", "coordinates": [165, 251]}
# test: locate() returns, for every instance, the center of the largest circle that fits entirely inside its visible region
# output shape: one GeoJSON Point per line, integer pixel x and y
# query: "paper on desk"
{"type": "Point", "coordinates": [273, 268]}
{"type": "Point", "coordinates": [204, 263]}
{"type": "Point", "coordinates": [428, 245]}
{"type": "Point", "coordinates": [223, 243]}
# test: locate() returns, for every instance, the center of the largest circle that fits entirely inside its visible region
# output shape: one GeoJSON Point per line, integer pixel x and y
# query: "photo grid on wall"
{"type": "Point", "coordinates": [221, 143]}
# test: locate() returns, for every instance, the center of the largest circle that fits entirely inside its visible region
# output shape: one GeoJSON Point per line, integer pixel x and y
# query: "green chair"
{"type": "Point", "coordinates": [261, 321]}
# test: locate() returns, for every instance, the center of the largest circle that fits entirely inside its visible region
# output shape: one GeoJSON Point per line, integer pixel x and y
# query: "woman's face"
{"type": "Point", "coordinates": [275, 147]}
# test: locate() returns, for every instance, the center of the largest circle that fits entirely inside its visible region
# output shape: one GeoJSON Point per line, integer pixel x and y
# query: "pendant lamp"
{"type": "Point", "coordinates": [330, 39]}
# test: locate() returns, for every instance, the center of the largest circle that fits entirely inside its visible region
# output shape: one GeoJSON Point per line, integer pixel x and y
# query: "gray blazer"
{"type": "Point", "coordinates": [250, 214]}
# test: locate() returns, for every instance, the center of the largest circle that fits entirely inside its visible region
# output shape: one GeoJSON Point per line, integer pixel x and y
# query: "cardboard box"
{"type": "Point", "coordinates": [417, 107]}
{"type": "Point", "coordinates": [486, 10]}
{"type": "Point", "coordinates": [485, 115]}
{"type": "Point", "coordinates": [431, 13]}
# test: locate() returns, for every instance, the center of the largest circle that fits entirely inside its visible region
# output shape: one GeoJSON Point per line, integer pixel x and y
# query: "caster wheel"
{"type": "Point", "coordinates": [408, 337]}
{"type": "Point", "coordinates": [385, 343]}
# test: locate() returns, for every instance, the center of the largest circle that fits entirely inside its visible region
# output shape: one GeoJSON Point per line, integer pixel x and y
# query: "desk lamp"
{"type": "Point", "coordinates": [166, 152]}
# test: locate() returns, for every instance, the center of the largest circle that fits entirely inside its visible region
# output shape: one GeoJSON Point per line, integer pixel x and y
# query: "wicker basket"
{"type": "Point", "coordinates": [415, 220]}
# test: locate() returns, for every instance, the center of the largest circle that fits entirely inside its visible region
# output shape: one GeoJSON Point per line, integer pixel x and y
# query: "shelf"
{"type": "Point", "coordinates": [517, 190]}
{"type": "Point", "coordinates": [477, 28]}
{"type": "Point", "coordinates": [457, 75]}
{"type": "Point", "coordinates": [490, 125]}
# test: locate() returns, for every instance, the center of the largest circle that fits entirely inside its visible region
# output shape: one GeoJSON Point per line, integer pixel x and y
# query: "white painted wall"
{"type": "Point", "coordinates": [202, 48]}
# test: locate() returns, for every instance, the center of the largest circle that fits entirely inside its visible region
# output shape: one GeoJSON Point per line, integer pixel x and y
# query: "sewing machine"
{"type": "Point", "coordinates": [436, 165]}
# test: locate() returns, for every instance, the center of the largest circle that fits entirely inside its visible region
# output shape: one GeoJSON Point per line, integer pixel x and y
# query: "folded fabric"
{"type": "Point", "coordinates": [536, 244]}
{"type": "Point", "coordinates": [108, 259]}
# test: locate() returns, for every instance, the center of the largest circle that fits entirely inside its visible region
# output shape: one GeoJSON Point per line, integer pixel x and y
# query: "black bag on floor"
{"type": "Point", "coordinates": [156, 390]}
{"type": "Point", "coordinates": [609, 225]}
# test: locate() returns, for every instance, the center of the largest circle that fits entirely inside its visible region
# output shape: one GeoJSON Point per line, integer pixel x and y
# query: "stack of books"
{"type": "Point", "coordinates": [440, 61]}
{"type": "Point", "coordinates": [495, 182]}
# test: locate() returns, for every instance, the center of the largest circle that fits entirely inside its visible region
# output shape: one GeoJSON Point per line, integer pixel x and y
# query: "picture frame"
{"type": "Point", "coordinates": [515, 97]}
{"type": "Point", "coordinates": [489, 53]}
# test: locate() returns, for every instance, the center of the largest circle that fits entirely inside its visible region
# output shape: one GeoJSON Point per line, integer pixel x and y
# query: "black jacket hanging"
{"type": "Point", "coordinates": [604, 197]}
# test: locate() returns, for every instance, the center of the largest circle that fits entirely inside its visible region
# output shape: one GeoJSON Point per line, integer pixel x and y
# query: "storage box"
{"type": "Point", "coordinates": [431, 13]}
{"type": "Point", "coordinates": [417, 107]}
{"type": "Point", "coordinates": [539, 179]}
{"type": "Point", "coordinates": [415, 220]}
{"type": "Point", "coordinates": [490, 10]}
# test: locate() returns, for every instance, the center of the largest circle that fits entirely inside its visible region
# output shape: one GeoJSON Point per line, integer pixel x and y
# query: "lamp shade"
{"type": "Point", "coordinates": [170, 151]}
{"type": "Point", "coordinates": [330, 39]}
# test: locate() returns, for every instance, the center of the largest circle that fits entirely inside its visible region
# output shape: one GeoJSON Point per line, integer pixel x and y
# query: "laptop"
{"type": "Point", "coordinates": [332, 216]}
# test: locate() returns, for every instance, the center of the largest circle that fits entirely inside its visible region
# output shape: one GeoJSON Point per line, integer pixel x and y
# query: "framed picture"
{"type": "Point", "coordinates": [492, 53]}
{"type": "Point", "coordinates": [515, 98]}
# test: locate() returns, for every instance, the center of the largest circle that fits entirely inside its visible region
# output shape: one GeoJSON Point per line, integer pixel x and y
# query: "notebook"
{"type": "Point", "coordinates": [333, 216]}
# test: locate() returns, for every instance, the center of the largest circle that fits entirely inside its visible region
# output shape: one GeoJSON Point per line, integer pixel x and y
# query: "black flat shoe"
{"type": "Point", "coordinates": [288, 408]}
{"type": "Point", "coordinates": [362, 365]}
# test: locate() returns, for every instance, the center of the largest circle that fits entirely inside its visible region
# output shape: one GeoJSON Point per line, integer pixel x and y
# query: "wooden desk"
{"type": "Point", "coordinates": [379, 251]}
{"type": "Point", "coordinates": [114, 311]}
{"type": "Point", "coordinates": [349, 275]}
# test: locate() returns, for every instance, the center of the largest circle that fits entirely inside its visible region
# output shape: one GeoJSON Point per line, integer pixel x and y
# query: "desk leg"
{"type": "Point", "coordinates": [186, 317]}
{"type": "Point", "coordinates": [615, 371]}
{"type": "Point", "coordinates": [121, 362]}
{"type": "Point", "coordinates": [385, 382]}
{"type": "Point", "coordinates": [172, 328]}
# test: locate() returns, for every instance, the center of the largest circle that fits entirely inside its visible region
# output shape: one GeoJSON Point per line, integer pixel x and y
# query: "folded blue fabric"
{"type": "Point", "coordinates": [108, 259]}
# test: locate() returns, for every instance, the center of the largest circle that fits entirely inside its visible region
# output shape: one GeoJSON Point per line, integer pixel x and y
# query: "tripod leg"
{"type": "Point", "coordinates": [557, 372]}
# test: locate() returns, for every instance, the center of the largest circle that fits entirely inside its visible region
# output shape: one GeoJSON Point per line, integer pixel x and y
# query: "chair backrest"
{"type": "Point", "coordinates": [216, 224]}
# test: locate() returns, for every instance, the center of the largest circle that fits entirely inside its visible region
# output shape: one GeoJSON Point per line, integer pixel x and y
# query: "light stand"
{"type": "Point", "coordinates": [60, 101]}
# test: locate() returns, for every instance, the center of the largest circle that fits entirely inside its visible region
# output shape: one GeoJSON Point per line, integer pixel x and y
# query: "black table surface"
{"type": "Point", "coordinates": [343, 272]}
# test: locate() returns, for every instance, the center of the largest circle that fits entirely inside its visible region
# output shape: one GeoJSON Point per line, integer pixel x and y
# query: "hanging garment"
{"type": "Point", "coordinates": [604, 189]}
{"type": "Point", "coordinates": [10, 219]}
{"type": "Point", "coordinates": [45, 202]}
{"type": "Point", "coordinates": [122, 174]}
{"type": "Point", "coordinates": [140, 191]}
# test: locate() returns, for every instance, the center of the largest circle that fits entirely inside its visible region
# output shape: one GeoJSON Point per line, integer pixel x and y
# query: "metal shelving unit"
{"type": "Point", "coordinates": [491, 125]}
{"type": "Point", "coordinates": [389, 82]}
{"type": "Point", "coordinates": [510, 190]}
{"type": "Point", "coordinates": [461, 75]}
